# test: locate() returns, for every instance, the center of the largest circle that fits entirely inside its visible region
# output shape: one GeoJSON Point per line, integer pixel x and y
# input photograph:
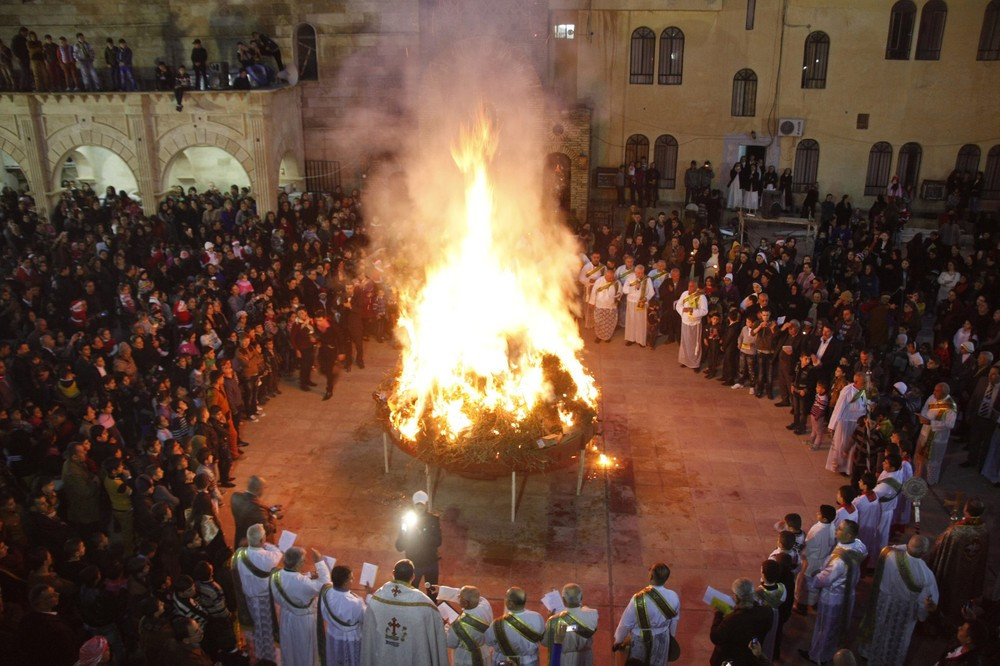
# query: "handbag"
{"type": "Point", "coordinates": [674, 651]}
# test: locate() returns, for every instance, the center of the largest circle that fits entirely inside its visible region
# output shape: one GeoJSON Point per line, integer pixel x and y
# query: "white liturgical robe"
{"type": "Point", "coordinates": [524, 648]}
{"type": "Point", "coordinates": [851, 405]}
{"type": "Point", "coordinates": [472, 619]}
{"type": "Point", "coordinates": [638, 294]}
{"type": "Point", "coordinates": [692, 307]}
{"type": "Point", "coordinates": [295, 597]}
{"type": "Point", "coordinates": [254, 583]}
{"type": "Point", "coordinates": [402, 627]}
{"type": "Point", "coordinates": [342, 611]}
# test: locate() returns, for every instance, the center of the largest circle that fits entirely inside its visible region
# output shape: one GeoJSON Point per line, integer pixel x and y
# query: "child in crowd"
{"type": "Point", "coordinates": [845, 505]}
{"type": "Point", "coordinates": [712, 341]}
{"type": "Point", "coordinates": [817, 416]}
{"type": "Point", "coordinates": [786, 544]}
{"type": "Point", "coordinates": [819, 544]}
{"type": "Point", "coordinates": [748, 355]}
{"type": "Point", "coordinates": [792, 522]}
{"type": "Point", "coordinates": [868, 516]}
{"type": "Point", "coordinates": [730, 348]}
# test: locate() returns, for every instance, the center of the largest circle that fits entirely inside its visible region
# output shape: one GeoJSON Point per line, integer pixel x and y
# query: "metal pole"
{"type": "Point", "coordinates": [430, 493]}
{"type": "Point", "coordinates": [579, 474]}
{"type": "Point", "coordinates": [385, 450]}
{"type": "Point", "coordinates": [513, 494]}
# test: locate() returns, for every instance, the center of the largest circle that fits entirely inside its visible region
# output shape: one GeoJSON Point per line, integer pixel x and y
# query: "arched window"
{"type": "Point", "coordinates": [643, 52]}
{"type": "Point", "coordinates": [744, 93]}
{"type": "Point", "coordinates": [806, 165]}
{"type": "Point", "coordinates": [908, 165]}
{"type": "Point", "coordinates": [932, 18]}
{"type": "Point", "coordinates": [989, 38]}
{"type": "Point", "coordinates": [968, 159]}
{"type": "Point", "coordinates": [665, 156]}
{"type": "Point", "coordinates": [901, 19]}
{"type": "Point", "coordinates": [671, 56]}
{"type": "Point", "coordinates": [305, 52]}
{"type": "Point", "coordinates": [815, 59]}
{"type": "Point", "coordinates": [636, 149]}
{"type": "Point", "coordinates": [879, 161]}
{"type": "Point", "coordinates": [991, 179]}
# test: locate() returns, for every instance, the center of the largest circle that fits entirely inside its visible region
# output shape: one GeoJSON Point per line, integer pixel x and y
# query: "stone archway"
{"type": "Point", "coordinates": [174, 142]}
{"type": "Point", "coordinates": [63, 142]}
{"type": "Point", "coordinates": [199, 166]}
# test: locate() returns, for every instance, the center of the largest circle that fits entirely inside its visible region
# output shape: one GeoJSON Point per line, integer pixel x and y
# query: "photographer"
{"type": "Point", "coordinates": [117, 484]}
{"type": "Point", "coordinates": [248, 509]}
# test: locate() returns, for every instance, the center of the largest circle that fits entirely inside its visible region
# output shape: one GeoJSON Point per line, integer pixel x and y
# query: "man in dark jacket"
{"type": "Point", "coordinates": [731, 633]}
{"type": "Point", "coordinates": [44, 636]}
{"type": "Point", "coordinates": [420, 537]}
{"type": "Point", "coordinates": [248, 509]}
{"type": "Point", "coordinates": [199, 65]}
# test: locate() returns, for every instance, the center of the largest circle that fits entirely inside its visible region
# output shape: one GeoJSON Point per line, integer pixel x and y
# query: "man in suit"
{"type": "Point", "coordinates": [982, 413]}
{"type": "Point", "coordinates": [248, 509]}
{"type": "Point", "coordinates": [827, 350]}
{"type": "Point", "coordinates": [733, 632]}
{"type": "Point", "coordinates": [45, 637]}
{"type": "Point", "coordinates": [670, 322]}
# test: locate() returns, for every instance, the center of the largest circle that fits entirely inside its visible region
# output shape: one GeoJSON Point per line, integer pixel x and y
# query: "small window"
{"type": "Point", "coordinates": [751, 10]}
{"type": "Point", "coordinates": [931, 34]}
{"type": "Point", "coordinates": [745, 93]}
{"type": "Point", "coordinates": [665, 156]}
{"type": "Point", "coordinates": [671, 57]}
{"type": "Point", "coordinates": [564, 31]}
{"type": "Point", "coordinates": [908, 165]}
{"type": "Point", "coordinates": [901, 20]}
{"type": "Point", "coordinates": [642, 60]}
{"type": "Point", "coordinates": [636, 149]}
{"type": "Point", "coordinates": [806, 165]}
{"type": "Point", "coordinates": [968, 159]}
{"type": "Point", "coordinates": [879, 162]}
{"type": "Point", "coordinates": [989, 38]}
{"type": "Point", "coordinates": [815, 59]}
{"type": "Point", "coordinates": [863, 120]}
{"type": "Point", "coordinates": [991, 179]}
{"type": "Point", "coordinates": [305, 52]}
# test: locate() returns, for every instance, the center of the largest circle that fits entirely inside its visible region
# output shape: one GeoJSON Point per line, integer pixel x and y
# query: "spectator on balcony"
{"type": "Point", "coordinates": [268, 47]}
{"type": "Point", "coordinates": [53, 73]}
{"type": "Point", "coordinates": [19, 46]}
{"type": "Point", "coordinates": [83, 54]}
{"type": "Point", "coordinates": [126, 78]}
{"type": "Point", "coordinates": [7, 67]}
{"type": "Point", "coordinates": [182, 82]}
{"type": "Point", "coordinates": [248, 61]}
{"type": "Point", "coordinates": [36, 53]}
{"type": "Point", "coordinates": [242, 81]}
{"type": "Point", "coordinates": [199, 65]}
{"type": "Point", "coordinates": [68, 65]}
{"type": "Point", "coordinates": [111, 65]}
{"type": "Point", "coordinates": [164, 77]}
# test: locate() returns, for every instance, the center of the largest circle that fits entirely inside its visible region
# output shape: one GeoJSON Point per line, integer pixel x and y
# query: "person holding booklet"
{"type": "Point", "coordinates": [649, 623]}
{"type": "Point", "coordinates": [341, 613]}
{"type": "Point", "coordinates": [465, 634]}
{"type": "Point", "coordinates": [580, 623]}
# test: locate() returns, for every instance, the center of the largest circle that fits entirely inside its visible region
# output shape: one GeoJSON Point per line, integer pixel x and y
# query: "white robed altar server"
{"type": "Point", "coordinates": [589, 274]}
{"type": "Point", "coordinates": [889, 491]}
{"type": "Point", "coordinates": [901, 516]}
{"type": "Point", "coordinates": [836, 583]}
{"type": "Point", "coordinates": [638, 292]}
{"type": "Point", "coordinates": [341, 614]}
{"type": "Point", "coordinates": [820, 541]}
{"type": "Point", "coordinates": [517, 634]}
{"type": "Point", "coordinates": [251, 567]}
{"type": "Point", "coordinates": [851, 405]}
{"type": "Point", "coordinates": [604, 298]}
{"type": "Point", "coordinates": [692, 306]}
{"type": "Point", "coordinates": [624, 274]}
{"type": "Point", "coordinates": [581, 622]}
{"type": "Point", "coordinates": [904, 592]}
{"type": "Point", "coordinates": [466, 635]}
{"type": "Point", "coordinates": [402, 626]}
{"type": "Point", "coordinates": [295, 595]}
{"type": "Point", "coordinates": [650, 619]}
{"type": "Point", "coordinates": [938, 418]}
{"type": "Point", "coordinates": [869, 517]}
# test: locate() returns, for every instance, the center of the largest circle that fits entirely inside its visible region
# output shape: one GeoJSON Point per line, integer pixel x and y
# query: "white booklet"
{"type": "Point", "coordinates": [286, 540]}
{"type": "Point", "coordinates": [368, 574]}
{"type": "Point", "coordinates": [447, 612]}
{"type": "Point", "coordinates": [553, 602]}
{"type": "Point", "coordinates": [719, 600]}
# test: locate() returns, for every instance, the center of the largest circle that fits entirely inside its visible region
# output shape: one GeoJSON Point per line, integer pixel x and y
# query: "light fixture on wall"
{"type": "Point", "coordinates": [753, 134]}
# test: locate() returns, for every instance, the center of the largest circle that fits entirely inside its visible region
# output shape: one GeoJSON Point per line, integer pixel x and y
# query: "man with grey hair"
{"type": "Point", "coordinates": [836, 582]}
{"type": "Point", "coordinates": [248, 509]}
{"type": "Point", "coordinates": [252, 567]}
{"type": "Point", "coordinates": [294, 594]}
{"type": "Point", "coordinates": [581, 624]}
{"type": "Point", "coordinates": [466, 635]}
{"type": "Point", "coordinates": [937, 418]}
{"type": "Point", "coordinates": [732, 632]}
{"type": "Point", "coordinates": [904, 592]}
{"type": "Point", "coordinates": [515, 636]}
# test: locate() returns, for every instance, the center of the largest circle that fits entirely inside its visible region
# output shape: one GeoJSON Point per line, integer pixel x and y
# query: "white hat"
{"type": "Point", "coordinates": [209, 245]}
{"type": "Point", "coordinates": [901, 387]}
{"type": "Point", "coordinates": [728, 276]}
{"type": "Point", "coordinates": [969, 346]}
{"type": "Point", "coordinates": [420, 497]}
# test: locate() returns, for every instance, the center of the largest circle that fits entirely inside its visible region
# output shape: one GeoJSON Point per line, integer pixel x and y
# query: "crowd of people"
{"type": "Point", "coordinates": [50, 64]}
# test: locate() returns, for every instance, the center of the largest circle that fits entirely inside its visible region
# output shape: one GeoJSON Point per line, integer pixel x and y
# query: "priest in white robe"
{"type": "Point", "coordinates": [638, 293]}
{"type": "Point", "coordinates": [889, 489]}
{"type": "Point", "coordinates": [904, 592]}
{"type": "Point", "coordinates": [624, 274]}
{"type": "Point", "coordinates": [402, 626]}
{"type": "Point", "coordinates": [692, 306]}
{"type": "Point", "coordinates": [466, 636]}
{"type": "Point", "coordinates": [295, 594]}
{"type": "Point", "coordinates": [820, 540]}
{"type": "Point", "coordinates": [868, 517]}
{"type": "Point", "coordinates": [581, 624]}
{"type": "Point", "coordinates": [589, 274]}
{"type": "Point", "coordinates": [650, 619]}
{"type": "Point", "coordinates": [251, 567]}
{"type": "Point", "coordinates": [851, 405]}
{"type": "Point", "coordinates": [836, 583]}
{"type": "Point", "coordinates": [937, 418]}
{"type": "Point", "coordinates": [518, 633]}
{"type": "Point", "coordinates": [604, 297]}
{"type": "Point", "coordinates": [341, 613]}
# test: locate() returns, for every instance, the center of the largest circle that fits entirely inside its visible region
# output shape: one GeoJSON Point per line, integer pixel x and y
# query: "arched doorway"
{"type": "Point", "coordinates": [556, 182]}
{"type": "Point", "coordinates": [100, 168]}
{"type": "Point", "coordinates": [11, 174]}
{"type": "Point", "coordinates": [204, 167]}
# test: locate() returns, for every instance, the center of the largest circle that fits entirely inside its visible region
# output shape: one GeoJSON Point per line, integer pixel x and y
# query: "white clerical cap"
{"type": "Point", "coordinates": [420, 497]}
{"type": "Point", "coordinates": [901, 387]}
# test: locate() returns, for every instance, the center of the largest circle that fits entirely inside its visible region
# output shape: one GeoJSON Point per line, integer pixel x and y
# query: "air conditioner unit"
{"type": "Point", "coordinates": [791, 126]}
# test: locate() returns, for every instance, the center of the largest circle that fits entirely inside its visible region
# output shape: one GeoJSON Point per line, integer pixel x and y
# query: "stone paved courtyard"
{"type": "Point", "coordinates": [704, 473]}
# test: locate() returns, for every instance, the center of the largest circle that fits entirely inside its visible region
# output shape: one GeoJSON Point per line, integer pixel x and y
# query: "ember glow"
{"type": "Point", "coordinates": [477, 331]}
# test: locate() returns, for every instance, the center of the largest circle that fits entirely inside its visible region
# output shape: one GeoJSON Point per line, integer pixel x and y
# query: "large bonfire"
{"type": "Point", "coordinates": [489, 369]}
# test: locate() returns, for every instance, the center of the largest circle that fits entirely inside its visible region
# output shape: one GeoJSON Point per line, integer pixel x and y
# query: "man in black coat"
{"type": "Point", "coordinates": [670, 321]}
{"type": "Point", "coordinates": [248, 509]}
{"type": "Point", "coordinates": [420, 537]}
{"type": "Point", "coordinates": [44, 636]}
{"type": "Point", "coordinates": [731, 633]}
{"type": "Point", "coordinates": [331, 350]}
